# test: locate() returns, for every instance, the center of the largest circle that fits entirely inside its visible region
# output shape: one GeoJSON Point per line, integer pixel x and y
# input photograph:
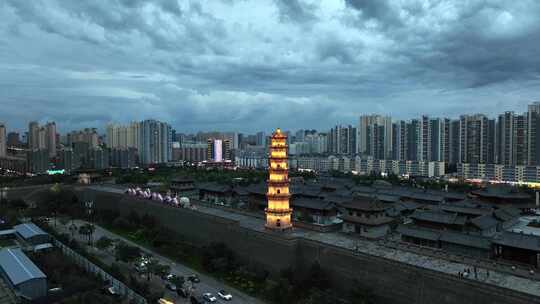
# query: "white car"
{"type": "Point", "coordinates": [224, 295]}
{"type": "Point", "coordinates": [209, 297]}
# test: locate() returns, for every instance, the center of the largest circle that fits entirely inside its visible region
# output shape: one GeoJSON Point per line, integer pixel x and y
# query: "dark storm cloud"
{"type": "Point", "coordinates": [247, 65]}
{"type": "Point", "coordinates": [295, 11]}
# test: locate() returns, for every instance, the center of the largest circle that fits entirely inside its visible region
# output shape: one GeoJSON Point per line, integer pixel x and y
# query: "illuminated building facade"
{"type": "Point", "coordinates": [278, 213]}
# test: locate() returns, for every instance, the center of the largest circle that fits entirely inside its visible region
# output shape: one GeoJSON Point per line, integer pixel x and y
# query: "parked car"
{"type": "Point", "coordinates": [169, 277]}
{"type": "Point", "coordinates": [193, 278]}
{"type": "Point", "coordinates": [209, 297]}
{"type": "Point", "coordinates": [141, 267]}
{"type": "Point", "coordinates": [112, 291]}
{"type": "Point", "coordinates": [224, 295]}
{"type": "Point", "coordinates": [171, 286]}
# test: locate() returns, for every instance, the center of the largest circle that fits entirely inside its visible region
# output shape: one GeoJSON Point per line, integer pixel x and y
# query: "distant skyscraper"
{"type": "Point", "coordinates": [453, 140]}
{"type": "Point", "coordinates": [506, 143]}
{"type": "Point", "coordinates": [50, 138]}
{"type": "Point", "coordinates": [87, 135]}
{"type": "Point", "coordinates": [342, 140]}
{"type": "Point", "coordinates": [424, 139]}
{"type": "Point", "coordinates": [13, 139]}
{"type": "Point", "coordinates": [261, 139]}
{"type": "Point", "coordinates": [42, 139]}
{"type": "Point", "coordinates": [474, 140]}
{"type": "Point", "coordinates": [300, 135]}
{"type": "Point", "coordinates": [413, 139]}
{"type": "Point", "coordinates": [33, 135]}
{"type": "Point", "coordinates": [533, 134]}
{"type": "Point", "coordinates": [218, 150]}
{"type": "Point", "coordinates": [156, 142]}
{"type": "Point", "coordinates": [3, 140]}
{"type": "Point", "coordinates": [520, 135]}
{"type": "Point", "coordinates": [375, 136]}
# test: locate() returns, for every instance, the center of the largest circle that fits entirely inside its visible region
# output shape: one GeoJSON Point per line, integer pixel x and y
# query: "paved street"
{"type": "Point", "coordinates": [207, 284]}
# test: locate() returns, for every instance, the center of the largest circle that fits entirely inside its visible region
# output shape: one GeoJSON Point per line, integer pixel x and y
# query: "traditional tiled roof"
{"type": "Point", "coordinates": [419, 233]}
{"type": "Point", "coordinates": [506, 214]}
{"type": "Point", "coordinates": [484, 222]}
{"type": "Point", "coordinates": [214, 187]}
{"type": "Point", "coordinates": [372, 221]}
{"type": "Point", "coordinates": [365, 204]}
{"type": "Point", "coordinates": [463, 239]}
{"type": "Point", "coordinates": [501, 193]}
{"type": "Point", "coordinates": [465, 210]}
{"type": "Point", "coordinates": [315, 204]}
{"type": "Point", "coordinates": [438, 217]}
{"type": "Point", "coordinates": [518, 240]}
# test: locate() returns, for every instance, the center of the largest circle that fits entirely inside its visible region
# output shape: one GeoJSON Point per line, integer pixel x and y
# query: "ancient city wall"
{"type": "Point", "coordinates": [390, 281]}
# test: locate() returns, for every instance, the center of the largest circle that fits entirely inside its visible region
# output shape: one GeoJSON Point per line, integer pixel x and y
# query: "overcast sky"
{"type": "Point", "coordinates": [255, 65]}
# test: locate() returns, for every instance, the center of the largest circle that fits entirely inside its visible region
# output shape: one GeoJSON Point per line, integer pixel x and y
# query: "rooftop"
{"type": "Point", "coordinates": [518, 240]}
{"type": "Point", "coordinates": [28, 230]}
{"type": "Point", "coordinates": [18, 267]}
{"type": "Point", "coordinates": [365, 204]}
{"type": "Point", "coordinates": [315, 204]}
{"type": "Point", "coordinates": [438, 217]}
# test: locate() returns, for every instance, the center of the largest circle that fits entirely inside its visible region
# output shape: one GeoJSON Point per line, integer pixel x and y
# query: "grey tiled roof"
{"type": "Point", "coordinates": [484, 222]}
{"type": "Point", "coordinates": [315, 204]}
{"type": "Point", "coordinates": [438, 217]}
{"type": "Point", "coordinates": [419, 233]}
{"type": "Point", "coordinates": [468, 240]}
{"type": "Point", "coordinates": [507, 214]}
{"type": "Point", "coordinates": [518, 240]}
{"type": "Point", "coordinates": [465, 210]}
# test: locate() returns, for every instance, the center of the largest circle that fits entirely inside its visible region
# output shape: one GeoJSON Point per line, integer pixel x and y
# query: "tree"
{"type": "Point", "coordinates": [127, 253]}
{"type": "Point", "coordinates": [88, 230]}
{"type": "Point", "coordinates": [361, 295]}
{"type": "Point", "coordinates": [178, 281]}
{"type": "Point", "coordinates": [104, 243]}
{"type": "Point", "coordinates": [134, 219]}
{"type": "Point", "coordinates": [64, 220]}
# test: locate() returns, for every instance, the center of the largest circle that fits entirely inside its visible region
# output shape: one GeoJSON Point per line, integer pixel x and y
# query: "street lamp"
{"type": "Point", "coordinates": [89, 205]}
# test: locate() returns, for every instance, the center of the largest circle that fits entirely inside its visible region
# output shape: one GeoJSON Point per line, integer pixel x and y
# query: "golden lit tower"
{"type": "Point", "coordinates": [278, 213]}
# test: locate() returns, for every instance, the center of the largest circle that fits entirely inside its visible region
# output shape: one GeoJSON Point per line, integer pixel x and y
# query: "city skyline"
{"type": "Point", "coordinates": [296, 64]}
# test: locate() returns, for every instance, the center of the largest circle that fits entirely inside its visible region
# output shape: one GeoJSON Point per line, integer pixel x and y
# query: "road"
{"type": "Point", "coordinates": [207, 284]}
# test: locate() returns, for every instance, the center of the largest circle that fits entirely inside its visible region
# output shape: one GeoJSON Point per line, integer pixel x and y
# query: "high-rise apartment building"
{"type": "Point", "coordinates": [33, 135]}
{"type": "Point", "coordinates": [87, 135]}
{"type": "Point", "coordinates": [342, 140]}
{"type": "Point", "coordinates": [453, 140]}
{"type": "Point", "coordinates": [506, 139]}
{"type": "Point", "coordinates": [50, 138]}
{"type": "Point", "coordinates": [3, 140]}
{"type": "Point", "coordinates": [413, 139]}
{"type": "Point", "coordinates": [424, 139]}
{"type": "Point", "coordinates": [375, 136]}
{"type": "Point", "coordinates": [218, 150]}
{"type": "Point", "coordinates": [533, 134]}
{"type": "Point", "coordinates": [520, 139]}
{"type": "Point", "coordinates": [155, 144]}
{"type": "Point", "coordinates": [13, 139]}
{"type": "Point", "coordinates": [474, 140]}
{"type": "Point", "coordinates": [261, 139]}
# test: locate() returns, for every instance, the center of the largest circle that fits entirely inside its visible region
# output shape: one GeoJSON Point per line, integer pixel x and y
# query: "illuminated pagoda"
{"type": "Point", "coordinates": [278, 213]}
